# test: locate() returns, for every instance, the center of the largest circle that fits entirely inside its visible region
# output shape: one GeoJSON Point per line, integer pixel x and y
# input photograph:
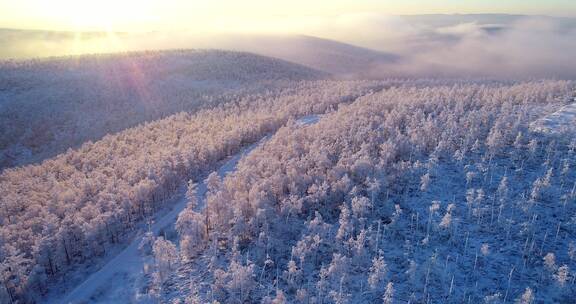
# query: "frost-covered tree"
{"type": "Point", "coordinates": [550, 261]}
{"type": "Point", "coordinates": [572, 250]}
{"type": "Point", "coordinates": [240, 280]}
{"type": "Point", "coordinates": [519, 141]}
{"type": "Point", "coordinates": [165, 259]}
{"type": "Point", "coordinates": [12, 271]}
{"type": "Point", "coordinates": [373, 187]}
{"type": "Point", "coordinates": [280, 298]}
{"type": "Point", "coordinates": [388, 297]}
{"type": "Point", "coordinates": [527, 297]}
{"type": "Point", "coordinates": [503, 189]}
{"type": "Point", "coordinates": [425, 182]}
{"type": "Point", "coordinates": [377, 274]}
{"type": "Point", "coordinates": [360, 206]}
{"type": "Point", "coordinates": [293, 273]}
{"type": "Point", "coordinates": [485, 249]}
{"type": "Point", "coordinates": [345, 226]}
{"type": "Point", "coordinates": [447, 218]}
{"type": "Point", "coordinates": [563, 274]}
{"type": "Point", "coordinates": [493, 298]}
{"type": "Point", "coordinates": [192, 230]}
{"type": "Point", "coordinates": [338, 267]}
{"type": "Point", "coordinates": [533, 146]}
{"type": "Point", "coordinates": [191, 195]}
{"type": "Point", "coordinates": [213, 182]}
{"type": "Point", "coordinates": [470, 177]}
{"type": "Point", "coordinates": [147, 243]}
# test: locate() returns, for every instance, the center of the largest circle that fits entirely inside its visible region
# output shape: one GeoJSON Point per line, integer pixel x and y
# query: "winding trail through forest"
{"type": "Point", "coordinates": [128, 265]}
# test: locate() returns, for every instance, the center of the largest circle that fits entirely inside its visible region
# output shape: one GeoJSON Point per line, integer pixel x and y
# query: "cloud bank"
{"type": "Point", "coordinates": [465, 46]}
{"type": "Point", "coordinates": [497, 46]}
{"type": "Point", "coordinates": [527, 48]}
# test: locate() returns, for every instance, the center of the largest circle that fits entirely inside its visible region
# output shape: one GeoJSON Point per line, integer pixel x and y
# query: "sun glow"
{"type": "Point", "coordinates": [216, 15]}
{"type": "Point", "coordinates": [101, 15]}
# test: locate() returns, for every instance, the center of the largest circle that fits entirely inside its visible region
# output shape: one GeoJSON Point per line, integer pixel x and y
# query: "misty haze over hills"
{"type": "Point", "coordinates": [443, 20]}
{"type": "Point", "coordinates": [365, 46]}
{"type": "Point", "coordinates": [340, 59]}
{"type": "Point", "coordinates": [446, 46]}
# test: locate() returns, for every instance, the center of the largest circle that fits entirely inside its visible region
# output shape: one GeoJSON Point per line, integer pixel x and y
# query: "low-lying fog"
{"type": "Point", "coordinates": [366, 46]}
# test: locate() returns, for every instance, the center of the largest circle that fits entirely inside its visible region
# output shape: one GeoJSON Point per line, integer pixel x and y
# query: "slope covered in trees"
{"type": "Point", "coordinates": [50, 105]}
{"type": "Point", "coordinates": [340, 59]}
{"type": "Point", "coordinates": [419, 191]}
{"type": "Point", "coordinates": [419, 195]}
{"type": "Point", "coordinates": [135, 263]}
{"type": "Point", "coordinates": [71, 208]}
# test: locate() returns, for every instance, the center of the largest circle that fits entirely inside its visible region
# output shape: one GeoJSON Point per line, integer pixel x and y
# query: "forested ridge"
{"type": "Point", "coordinates": [50, 105]}
{"type": "Point", "coordinates": [404, 191]}
{"type": "Point", "coordinates": [409, 195]}
{"type": "Point", "coordinates": [67, 209]}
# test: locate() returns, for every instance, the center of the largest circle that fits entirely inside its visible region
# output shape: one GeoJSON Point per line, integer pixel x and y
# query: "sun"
{"type": "Point", "coordinates": [101, 15]}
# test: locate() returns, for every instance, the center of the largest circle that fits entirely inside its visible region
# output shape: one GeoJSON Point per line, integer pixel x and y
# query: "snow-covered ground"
{"type": "Point", "coordinates": [118, 281]}
{"type": "Point", "coordinates": [308, 120]}
{"type": "Point", "coordinates": [561, 122]}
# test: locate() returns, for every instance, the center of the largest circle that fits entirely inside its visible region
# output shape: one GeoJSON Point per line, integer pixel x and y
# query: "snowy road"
{"type": "Point", "coordinates": [562, 121]}
{"type": "Point", "coordinates": [114, 277]}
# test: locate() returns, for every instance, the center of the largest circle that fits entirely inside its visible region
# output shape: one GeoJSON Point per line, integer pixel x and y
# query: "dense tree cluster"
{"type": "Point", "coordinates": [69, 209]}
{"type": "Point", "coordinates": [412, 194]}
{"type": "Point", "coordinates": [50, 105]}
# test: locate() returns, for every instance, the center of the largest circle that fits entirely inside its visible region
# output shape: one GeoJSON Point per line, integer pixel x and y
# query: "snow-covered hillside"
{"type": "Point", "coordinates": [69, 212]}
{"type": "Point", "coordinates": [420, 191]}
{"type": "Point", "coordinates": [123, 278]}
{"type": "Point", "coordinates": [340, 59]}
{"type": "Point", "coordinates": [50, 105]}
{"type": "Point", "coordinates": [433, 195]}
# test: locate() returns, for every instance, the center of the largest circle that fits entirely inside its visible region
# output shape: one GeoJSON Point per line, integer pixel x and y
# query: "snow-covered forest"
{"type": "Point", "coordinates": [427, 195]}
{"type": "Point", "coordinates": [50, 105]}
{"type": "Point", "coordinates": [66, 210]}
{"type": "Point", "coordinates": [211, 176]}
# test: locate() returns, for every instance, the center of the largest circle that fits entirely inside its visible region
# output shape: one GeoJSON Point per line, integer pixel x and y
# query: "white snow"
{"type": "Point", "coordinates": [560, 122]}
{"type": "Point", "coordinates": [308, 120]}
{"type": "Point", "coordinates": [116, 279]}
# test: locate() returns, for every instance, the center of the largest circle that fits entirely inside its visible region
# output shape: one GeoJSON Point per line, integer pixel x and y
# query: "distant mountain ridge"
{"type": "Point", "coordinates": [338, 58]}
